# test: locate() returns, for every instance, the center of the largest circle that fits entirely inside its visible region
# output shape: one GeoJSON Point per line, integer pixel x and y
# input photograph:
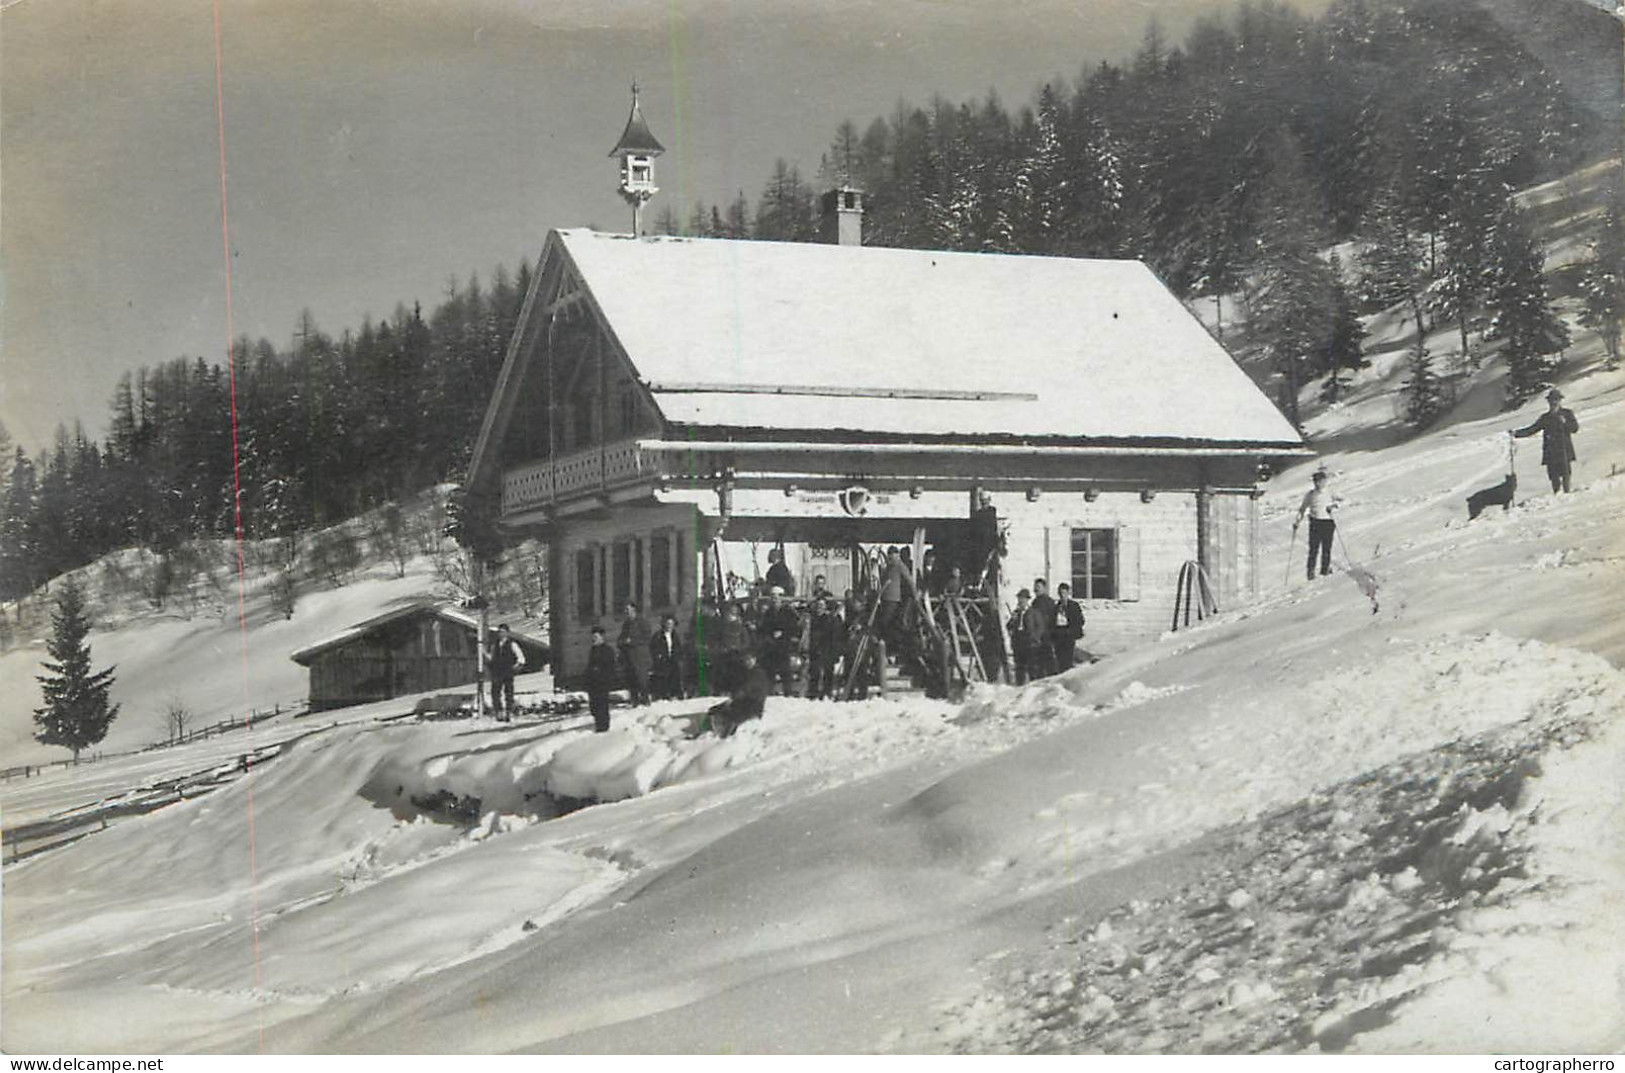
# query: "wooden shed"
{"type": "Point", "coordinates": [418, 648]}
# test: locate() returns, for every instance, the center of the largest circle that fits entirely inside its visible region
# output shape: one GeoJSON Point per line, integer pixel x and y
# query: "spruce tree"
{"type": "Point", "coordinates": [1343, 338]}
{"type": "Point", "coordinates": [1522, 314]}
{"type": "Point", "coordinates": [1290, 291]}
{"type": "Point", "coordinates": [21, 563]}
{"type": "Point", "coordinates": [1423, 393]}
{"type": "Point", "coordinates": [1603, 283]}
{"type": "Point", "coordinates": [76, 714]}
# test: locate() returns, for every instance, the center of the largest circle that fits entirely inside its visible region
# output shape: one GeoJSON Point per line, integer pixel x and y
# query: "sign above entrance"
{"type": "Point", "coordinates": [854, 500]}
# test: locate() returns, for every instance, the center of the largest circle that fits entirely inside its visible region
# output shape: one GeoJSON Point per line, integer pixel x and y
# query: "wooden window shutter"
{"type": "Point", "coordinates": [1058, 556]}
{"type": "Point", "coordinates": [1128, 562]}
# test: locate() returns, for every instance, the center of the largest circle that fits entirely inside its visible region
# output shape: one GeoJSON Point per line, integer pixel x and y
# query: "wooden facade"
{"type": "Point", "coordinates": [419, 649]}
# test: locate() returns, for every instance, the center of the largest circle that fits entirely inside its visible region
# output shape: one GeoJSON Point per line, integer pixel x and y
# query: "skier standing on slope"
{"type": "Point", "coordinates": [1557, 427]}
{"type": "Point", "coordinates": [1319, 503]}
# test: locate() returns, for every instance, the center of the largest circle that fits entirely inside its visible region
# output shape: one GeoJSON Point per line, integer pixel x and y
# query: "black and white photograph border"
{"type": "Point", "coordinates": [807, 527]}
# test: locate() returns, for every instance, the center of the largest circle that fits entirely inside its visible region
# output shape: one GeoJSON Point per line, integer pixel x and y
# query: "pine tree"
{"type": "Point", "coordinates": [1522, 315]}
{"type": "Point", "coordinates": [1343, 338]}
{"type": "Point", "coordinates": [738, 223]}
{"type": "Point", "coordinates": [76, 714]}
{"type": "Point", "coordinates": [1290, 290]}
{"type": "Point", "coordinates": [1603, 283]}
{"type": "Point", "coordinates": [21, 566]}
{"type": "Point", "coordinates": [1459, 283]}
{"type": "Point", "coordinates": [1395, 264]}
{"type": "Point", "coordinates": [1423, 393]}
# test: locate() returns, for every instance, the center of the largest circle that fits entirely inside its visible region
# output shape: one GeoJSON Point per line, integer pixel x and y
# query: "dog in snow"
{"type": "Point", "coordinates": [1500, 495]}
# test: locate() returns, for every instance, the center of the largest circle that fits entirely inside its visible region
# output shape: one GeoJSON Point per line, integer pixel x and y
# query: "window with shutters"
{"type": "Point", "coordinates": [1094, 564]}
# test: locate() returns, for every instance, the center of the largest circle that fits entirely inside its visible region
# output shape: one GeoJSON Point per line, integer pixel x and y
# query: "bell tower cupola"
{"type": "Point", "coordinates": [637, 150]}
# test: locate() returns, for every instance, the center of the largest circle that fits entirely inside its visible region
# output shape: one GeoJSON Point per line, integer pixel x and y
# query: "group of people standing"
{"type": "Point", "coordinates": [646, 662]}
{"type": "Point", "coordinates": [1044, 631]}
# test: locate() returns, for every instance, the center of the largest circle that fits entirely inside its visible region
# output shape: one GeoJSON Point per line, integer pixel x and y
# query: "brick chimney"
{"type": "Point", "coordinates": [840, 217]}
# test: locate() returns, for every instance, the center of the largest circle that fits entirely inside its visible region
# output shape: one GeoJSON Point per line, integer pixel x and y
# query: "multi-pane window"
{"type": "Point", "coordinates": [584, 585]}
{"type": "Point", "coordinates": [621, 573]}
{"type": "Point", "coordinates": [1094, 564]}
{"type": "Point", "coordinates": [660, 563]}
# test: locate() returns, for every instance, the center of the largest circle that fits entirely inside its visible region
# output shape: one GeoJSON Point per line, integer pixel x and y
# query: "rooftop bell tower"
{"type": "Point", "coordinates": [637, 150]}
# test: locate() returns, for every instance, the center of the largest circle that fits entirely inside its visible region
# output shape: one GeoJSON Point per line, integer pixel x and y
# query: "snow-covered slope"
{"type": "Point", "coordinates": [1305, 825]}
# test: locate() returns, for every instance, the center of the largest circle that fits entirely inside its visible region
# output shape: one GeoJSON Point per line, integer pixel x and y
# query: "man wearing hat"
{"type": "Point", "coordinates": [1021, 644]}
{"type": "Point", "coordinates": [1319, 503]}
{"type": "Point", "coordinates": [1557, 427]}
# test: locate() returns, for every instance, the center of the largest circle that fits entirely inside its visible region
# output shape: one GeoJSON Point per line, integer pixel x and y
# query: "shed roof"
{"type": "Point", "coordinates": [1101, 349]}
{"type": "Point", "coordinates": [361, 629]}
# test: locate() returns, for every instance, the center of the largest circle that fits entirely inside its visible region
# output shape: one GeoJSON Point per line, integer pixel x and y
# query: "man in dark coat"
{"type": "Point", "coordinates": [745, 702]}
{"type": "Point", "coordinates": [667, 657]}
{"type": "Point", "coordinates": [778, 574]}
{"type": "Point", "coordinates": [781, 638]}
{"type": "Point", "coordinates": [636, 659]}
{"type": "Point", "coordinates": [826, 639]}
{"type": "Point", "coordinates": [602, 672]}
{"type": "Point", "coordinates": [1068, 628]}
{"type": "Point", "coordinates": [1041, 631]}
{"type": "Point", "coordinates": [1557, 427]}
{"type": "Point", "coordinates": [727, 639]}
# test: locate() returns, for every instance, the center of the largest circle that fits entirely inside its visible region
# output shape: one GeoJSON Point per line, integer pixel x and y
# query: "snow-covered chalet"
{"type": "Point", "coordinates": [662, 393]}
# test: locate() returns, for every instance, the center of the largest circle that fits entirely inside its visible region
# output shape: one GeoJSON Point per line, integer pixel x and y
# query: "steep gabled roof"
{"type": "Point", "coordinates": [1100, 349]}
{"type": "Point", "coordinates": [636, 137]}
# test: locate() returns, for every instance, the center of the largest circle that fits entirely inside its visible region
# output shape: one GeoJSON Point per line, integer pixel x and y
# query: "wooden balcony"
{"type": "Point", "coordinates": [576, 475]}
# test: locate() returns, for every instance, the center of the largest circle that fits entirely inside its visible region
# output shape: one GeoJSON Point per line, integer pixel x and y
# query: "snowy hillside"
{"type": "Point", "coordinates": [1304, 826]}
{"type": "Point", "coordinates": [194, 653]}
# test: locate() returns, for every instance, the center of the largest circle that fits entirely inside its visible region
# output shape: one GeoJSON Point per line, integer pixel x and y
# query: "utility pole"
{"type": "Point", "coordinates": [476, 574]}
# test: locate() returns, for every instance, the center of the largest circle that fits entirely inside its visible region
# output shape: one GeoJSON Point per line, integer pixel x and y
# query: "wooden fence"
{"type": "Point", "coordinates": [225, 726]}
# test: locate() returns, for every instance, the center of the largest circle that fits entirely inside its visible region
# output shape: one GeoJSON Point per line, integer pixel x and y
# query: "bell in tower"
{"type": "Point", "coordinates": [637, 150]}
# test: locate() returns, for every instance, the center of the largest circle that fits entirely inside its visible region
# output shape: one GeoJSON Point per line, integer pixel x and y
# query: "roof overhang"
{"type": "Point", "coordinates": [1062, 449]}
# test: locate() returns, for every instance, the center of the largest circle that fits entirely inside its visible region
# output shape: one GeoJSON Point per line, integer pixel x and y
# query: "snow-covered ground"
{"type": "Point", "coordinates": [1302, 826]}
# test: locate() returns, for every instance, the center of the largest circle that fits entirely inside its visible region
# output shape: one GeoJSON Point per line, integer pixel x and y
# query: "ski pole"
{"type": "Point", "coordinates": [1346, 556]}
{"type": "Point", "coordinates": [1290, 544]}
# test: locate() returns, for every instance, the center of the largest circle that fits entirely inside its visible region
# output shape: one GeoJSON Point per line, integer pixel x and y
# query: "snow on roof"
{"type": "Point", "coordinates": [361, 629]}
{"type": "Point", "coordinates": [1103, 348]}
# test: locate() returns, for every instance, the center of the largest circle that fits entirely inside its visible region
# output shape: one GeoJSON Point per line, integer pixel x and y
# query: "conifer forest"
{"type": "Point", "coordinates": [1231, 162]}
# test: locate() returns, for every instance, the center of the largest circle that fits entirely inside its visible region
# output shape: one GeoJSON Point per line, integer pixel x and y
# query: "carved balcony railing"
{"type": "Point", "coordinates": [571, 476]}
